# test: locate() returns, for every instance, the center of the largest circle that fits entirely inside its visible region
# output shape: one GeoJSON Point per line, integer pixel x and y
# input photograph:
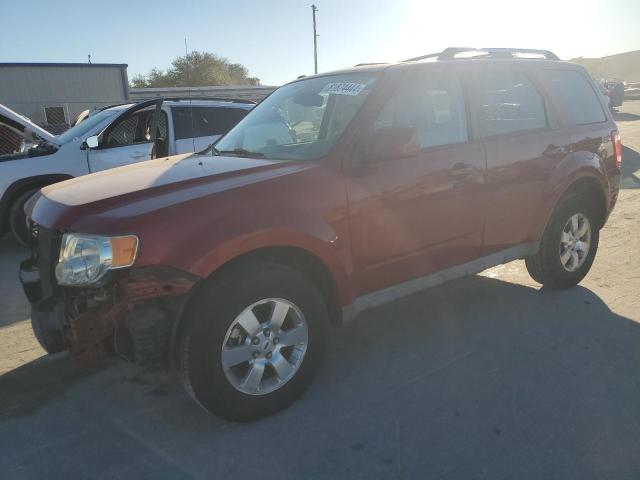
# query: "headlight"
{"type": "Point", "coordinates": [85, 259]}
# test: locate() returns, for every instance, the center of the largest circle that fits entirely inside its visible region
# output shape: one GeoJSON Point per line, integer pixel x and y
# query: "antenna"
{"type": "Point", "coordinates": [186, 55]}
{"type": "Point", "coordinates": [89, 59]}
{"type": "Point", "coordinates": [314, 9]}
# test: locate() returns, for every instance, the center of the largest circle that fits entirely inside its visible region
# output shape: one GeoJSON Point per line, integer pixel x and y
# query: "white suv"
{"type": "Point", "coordinates": [31, 157]}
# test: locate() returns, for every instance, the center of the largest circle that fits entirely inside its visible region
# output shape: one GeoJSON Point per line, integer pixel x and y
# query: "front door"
{"type": "Point", "coordinates": [419, 213]}
{"type": "Point", "coordinates": [137, 135]}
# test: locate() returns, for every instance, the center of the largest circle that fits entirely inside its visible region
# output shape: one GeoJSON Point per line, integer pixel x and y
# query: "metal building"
{"type": "Point", "coordinates": [53, 94]}
{"type": "Point", "coordinates": [246, 92]}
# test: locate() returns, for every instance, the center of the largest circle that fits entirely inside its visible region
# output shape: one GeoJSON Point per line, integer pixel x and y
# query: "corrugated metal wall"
{"type": "Point", "coordinates": [28, 89]}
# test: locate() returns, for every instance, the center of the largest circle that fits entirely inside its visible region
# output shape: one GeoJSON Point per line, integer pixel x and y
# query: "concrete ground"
{"type": "Point", "coordinates": [488, 377]}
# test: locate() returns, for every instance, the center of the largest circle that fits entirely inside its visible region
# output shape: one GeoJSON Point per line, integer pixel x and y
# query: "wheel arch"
{"type": "Point", "coordinates": [18, 187]}
{"type": "Point", "coordinates": [300, 259]}
{"type": "Point", "coordinates": [587, 182]}
{"type": "Point", "coordinates": [590, 187]}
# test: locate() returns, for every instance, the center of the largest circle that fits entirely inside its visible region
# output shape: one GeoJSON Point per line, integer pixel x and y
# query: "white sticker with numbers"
{"type": "Point", "coordinates": [343, 88]}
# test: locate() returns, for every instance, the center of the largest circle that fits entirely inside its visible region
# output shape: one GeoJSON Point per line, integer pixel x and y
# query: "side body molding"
{"type": "Point", "coordinates": [395, 292]}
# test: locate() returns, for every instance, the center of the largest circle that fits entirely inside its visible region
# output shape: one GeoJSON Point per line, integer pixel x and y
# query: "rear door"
{"type": "Point", "coordinates": [137, 135]}
{"type": "Point", "coordinates": [197, 127]}
{"type": "Point", "coordinates": [423, 212]}
{"type": "Point", "coordinates": [524, 143]}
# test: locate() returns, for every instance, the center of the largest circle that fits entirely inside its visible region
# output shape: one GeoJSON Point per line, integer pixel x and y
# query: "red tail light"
{"type": "Point", "coordinates": [617, 147]}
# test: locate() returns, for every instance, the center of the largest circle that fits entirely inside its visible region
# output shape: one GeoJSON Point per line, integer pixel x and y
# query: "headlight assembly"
{"type": "Point", "coordinates": [85, 259]}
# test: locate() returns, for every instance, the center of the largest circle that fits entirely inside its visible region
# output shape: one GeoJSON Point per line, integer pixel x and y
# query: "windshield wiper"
{"type": "Point", "coordinates": [237, 151]}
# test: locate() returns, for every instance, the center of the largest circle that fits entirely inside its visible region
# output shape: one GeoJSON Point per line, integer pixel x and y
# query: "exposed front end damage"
{"type": "Point", "coordinates": [129, 313]}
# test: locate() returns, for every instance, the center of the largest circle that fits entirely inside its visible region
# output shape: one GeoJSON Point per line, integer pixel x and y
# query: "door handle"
{"type": "Point", "coordinates": [460, 170]}
{"type": "Point", "coordinates": [138, 155]}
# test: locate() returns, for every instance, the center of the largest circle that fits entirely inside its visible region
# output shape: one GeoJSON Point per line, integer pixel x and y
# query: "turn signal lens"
{"type": "Point", "coordinates": [123, 251]}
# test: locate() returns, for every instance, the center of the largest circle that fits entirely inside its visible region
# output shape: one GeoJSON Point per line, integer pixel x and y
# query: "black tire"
{"type": "Point", "coordinates": [18, 219]}
{"type": "Point", "coordinates": [203, 334]}
{"type": "Point", "coordinates": [546, 267]}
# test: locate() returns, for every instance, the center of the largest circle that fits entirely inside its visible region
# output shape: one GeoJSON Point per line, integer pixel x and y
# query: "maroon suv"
{"type": "Point", "coordinates": [337, 193]}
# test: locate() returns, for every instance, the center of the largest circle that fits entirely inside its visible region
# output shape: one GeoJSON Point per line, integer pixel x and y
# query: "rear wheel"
{"type": "Point", "coordinates": [18, 219]}
{"type": "Point", "coordinates": [253, 341]}
{"type": "Point", "coordinates": [568, 246]}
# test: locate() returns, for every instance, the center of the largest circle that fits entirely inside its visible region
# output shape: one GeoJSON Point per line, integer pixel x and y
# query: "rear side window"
{"type": "Point", "coordinates": [509, 103]}
{"type": "Point", "coordinates": [433, 105]}
{"type": "Point", "coordinates": [193, 122]}
{"type": "Point", "coordinates": [577, 96]}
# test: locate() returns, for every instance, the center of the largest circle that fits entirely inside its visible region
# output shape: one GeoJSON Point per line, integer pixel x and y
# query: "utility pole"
{"type": "Point", "coordinates": [314, 9]}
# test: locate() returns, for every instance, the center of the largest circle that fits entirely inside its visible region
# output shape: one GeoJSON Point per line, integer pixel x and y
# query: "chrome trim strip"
{"type": "Point", "coordinates": [389, 294]}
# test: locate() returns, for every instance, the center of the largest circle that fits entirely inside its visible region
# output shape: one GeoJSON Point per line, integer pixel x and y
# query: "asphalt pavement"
{"type": "Point", "coordinates": [487, 377]}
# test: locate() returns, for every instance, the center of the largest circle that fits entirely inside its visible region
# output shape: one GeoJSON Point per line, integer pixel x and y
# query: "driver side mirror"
{"type": "Point", "coordinates": [389, 143]}
{"type": "Point", "coordinates": [92, 142]}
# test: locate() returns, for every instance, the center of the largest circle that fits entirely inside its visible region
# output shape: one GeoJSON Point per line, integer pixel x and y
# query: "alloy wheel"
{"type": "Point", "coordinates": [575, 241]}
{"type": "Point", "coordinates": [264, 347]}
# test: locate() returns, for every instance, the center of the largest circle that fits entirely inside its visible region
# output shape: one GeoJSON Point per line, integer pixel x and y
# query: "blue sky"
{"type": "Point", "coordinates": [273, 39]}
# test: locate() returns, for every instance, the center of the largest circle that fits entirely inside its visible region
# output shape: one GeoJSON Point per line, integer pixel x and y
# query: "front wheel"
{"type": "Point", "coordinates": [568, 246]}
{"type": "Point", "coordinates": [253, 341]}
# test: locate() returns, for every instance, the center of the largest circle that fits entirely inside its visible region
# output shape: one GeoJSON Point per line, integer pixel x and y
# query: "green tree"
{"type": "Point", "coordinates": [196, 69]}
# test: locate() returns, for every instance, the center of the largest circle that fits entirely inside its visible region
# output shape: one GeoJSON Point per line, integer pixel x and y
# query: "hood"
{"type": "Point", "coordinates": [24, 127]}
{"type": "Point", "coordinates": [94, 202]}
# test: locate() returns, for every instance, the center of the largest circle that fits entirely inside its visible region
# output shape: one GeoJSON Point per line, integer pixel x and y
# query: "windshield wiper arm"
{"type": "Point", "coordinates": [238, 151]}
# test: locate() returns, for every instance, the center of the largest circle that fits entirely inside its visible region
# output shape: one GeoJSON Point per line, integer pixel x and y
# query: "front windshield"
{"type": "Point", "coordinates": [300, 121]}
{"type": "Point", "coordinates": [84, 127]}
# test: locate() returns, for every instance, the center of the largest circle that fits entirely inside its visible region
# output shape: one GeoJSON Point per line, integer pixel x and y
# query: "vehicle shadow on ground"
{"type": "Point", "coordinates": [630, 168]}
{"type": "Point", "coordinates": [625, 117]}
{"type": "Point", "coordinates": [26, 388]}
{"type": "Point", "coordinates": [478, 375]}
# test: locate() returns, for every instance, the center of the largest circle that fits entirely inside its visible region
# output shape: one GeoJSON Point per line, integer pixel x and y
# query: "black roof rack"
{"type": "Point", "coordinates": [216, 99]}
{"type": "Point", "coordinates": [451, 52]}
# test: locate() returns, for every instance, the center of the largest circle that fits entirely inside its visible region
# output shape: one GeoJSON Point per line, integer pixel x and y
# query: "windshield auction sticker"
{"type": "Point", "coordinates": [343, 88]}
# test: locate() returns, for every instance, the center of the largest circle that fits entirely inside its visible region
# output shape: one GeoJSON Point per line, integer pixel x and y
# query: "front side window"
{"type": "Point", "coordinates": [433, 105]}
{"type": "Point", "coordinates": [300, 121]}
{"type": "Point", "coordinates": [135, 128]}
{"type": "Point", "coordinates": [577, 97]}
{"type": "Point", "coordinates": [509, 103]}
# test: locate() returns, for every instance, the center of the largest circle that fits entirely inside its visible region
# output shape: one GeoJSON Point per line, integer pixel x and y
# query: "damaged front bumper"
{"type": "Point", "coordinates": [130, 312]}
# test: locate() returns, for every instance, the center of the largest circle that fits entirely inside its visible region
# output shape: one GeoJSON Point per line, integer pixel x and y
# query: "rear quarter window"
{"type": "Point", "coordinates": [193, 122]}
{"type": "Point", "coordinates": [576, 95]}
{"type": "Point", "coordinates": [509, 103]}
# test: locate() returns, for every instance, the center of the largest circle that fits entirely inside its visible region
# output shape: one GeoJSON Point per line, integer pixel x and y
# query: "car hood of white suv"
{"type": "Point", "coordinates": [24, 127]}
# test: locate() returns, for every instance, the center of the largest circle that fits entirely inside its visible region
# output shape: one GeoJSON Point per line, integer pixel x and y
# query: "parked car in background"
{"type": "Point", "coordinates": [33, 158]}
{"type": "Point", "coordinates": [614, 91]}
{"type": "Point", "coordinates": [632, 91]}
{"type": "Point", "coordinates": [339, 192]}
